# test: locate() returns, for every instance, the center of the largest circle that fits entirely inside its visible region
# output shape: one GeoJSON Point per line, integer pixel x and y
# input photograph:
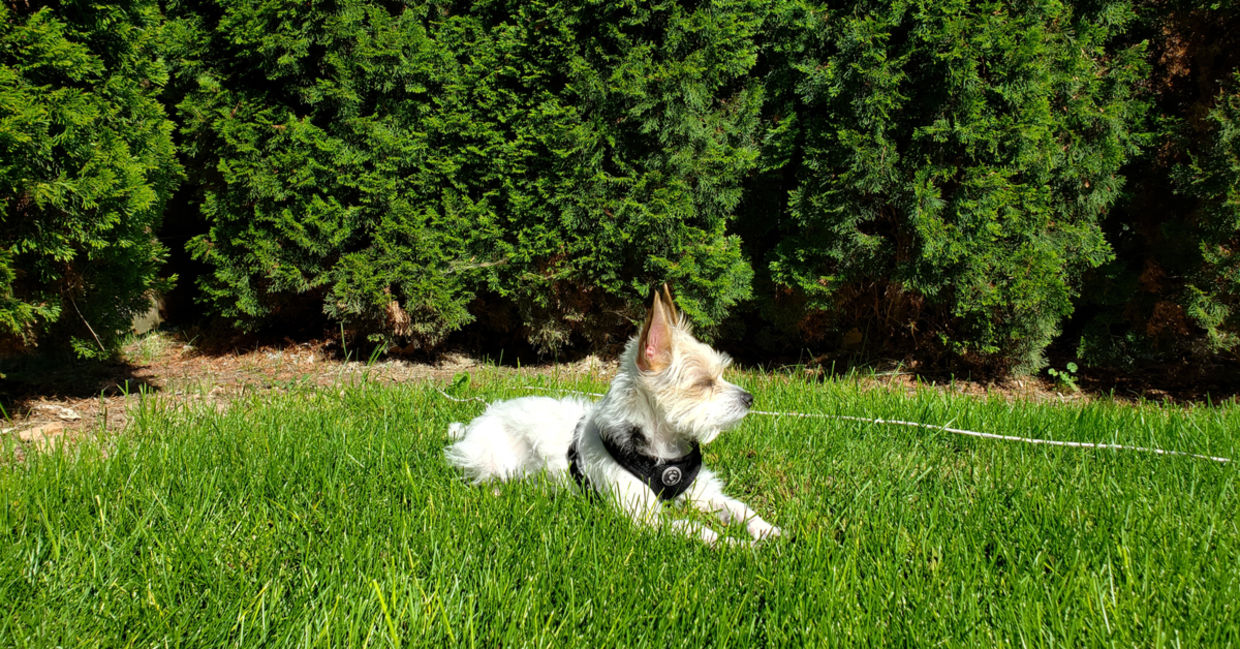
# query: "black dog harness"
{"type": "Point", "coordinates": [666, 478]}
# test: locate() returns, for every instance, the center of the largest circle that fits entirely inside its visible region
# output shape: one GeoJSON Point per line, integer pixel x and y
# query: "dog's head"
{"type": "Point", "coordinates": [684, 377]}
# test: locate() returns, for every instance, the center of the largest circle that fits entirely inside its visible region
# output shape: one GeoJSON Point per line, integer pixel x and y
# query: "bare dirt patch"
{"type": "Point", "coordinates": [44, 406]}
{"type": "Point", "coordinates": [49, 404]}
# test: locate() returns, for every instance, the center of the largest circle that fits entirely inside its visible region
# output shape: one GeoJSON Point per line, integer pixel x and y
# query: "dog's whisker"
{"type": "Point", "coordinates": [561, 391]}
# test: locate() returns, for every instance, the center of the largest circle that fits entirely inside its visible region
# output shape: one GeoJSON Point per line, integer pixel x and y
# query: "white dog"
{"type": "Point", "coordinates": [639, 444]}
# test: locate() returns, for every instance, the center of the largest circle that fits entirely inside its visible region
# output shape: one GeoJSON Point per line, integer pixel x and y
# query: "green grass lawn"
{"type": "Point", "coordinates": [329, 518]}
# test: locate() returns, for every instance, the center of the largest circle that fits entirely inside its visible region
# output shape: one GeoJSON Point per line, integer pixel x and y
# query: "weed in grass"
{"type": "Point", "coordinates": [1066, 377]}
{"type": "Point", "coordinates": [145, 348]}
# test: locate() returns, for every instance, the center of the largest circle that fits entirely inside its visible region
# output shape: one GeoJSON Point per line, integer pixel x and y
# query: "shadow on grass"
{"type": "Point", "coordinates": [58, 378]}
{"type": "Point", "coordinates": [501, 349]}
{"type": "Point", "coordinates": [1210, 383]}
{"type": "Point", "coordinates": [30, 379]}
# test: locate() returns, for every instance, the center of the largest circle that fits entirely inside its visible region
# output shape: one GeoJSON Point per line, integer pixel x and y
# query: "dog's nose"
{"type": "Point", "coordinates": [746, 398]}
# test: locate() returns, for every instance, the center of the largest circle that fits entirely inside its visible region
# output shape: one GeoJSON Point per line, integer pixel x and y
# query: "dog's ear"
{"type": "Point", "coordinates": [672, 314]}
{"type": "Point", "coordinates": [654, 345]}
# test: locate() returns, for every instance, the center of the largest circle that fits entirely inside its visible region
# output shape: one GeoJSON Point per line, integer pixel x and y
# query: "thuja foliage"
{"type": "Point", "coordinates": [912, 177]}
{"type": "Point", "coordinates": [391, 163]}
{"type": "Point", "coordinates": [86, 163]}
{"type": "Point", "coordinates": [950, 163]}
{"type": "Point", "coordinates": [1212, 177]}
{"type": "Point", "coordinates": [1171, 295]}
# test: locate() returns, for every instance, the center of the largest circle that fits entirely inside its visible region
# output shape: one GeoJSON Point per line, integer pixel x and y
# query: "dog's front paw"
{"type": "Point", "coordinates": [761, 530]}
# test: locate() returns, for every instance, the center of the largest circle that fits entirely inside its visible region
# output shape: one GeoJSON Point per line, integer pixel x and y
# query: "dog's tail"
{"type": "Point", "coordinates": [456, 430]}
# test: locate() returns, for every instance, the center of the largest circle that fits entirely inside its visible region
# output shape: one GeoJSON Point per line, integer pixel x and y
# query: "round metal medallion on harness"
{"type": "Point", "coordinates": [671, 476]}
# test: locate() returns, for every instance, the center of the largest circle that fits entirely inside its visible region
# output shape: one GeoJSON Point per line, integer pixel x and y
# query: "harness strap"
{"type": "Point", "coordinates": [573, 468]}
{"type": "Point", "coordinates": [666, 478]}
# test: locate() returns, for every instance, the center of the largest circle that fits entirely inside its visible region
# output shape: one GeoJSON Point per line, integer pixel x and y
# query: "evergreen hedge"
{"type": "Point", "coordinates": [1171, 296]}
{"type": "Point", "coordinates": [392, 162]}
{"type": "Point", "coordinates": [1212, 177]}
{"type": "Point", "coordinates": [949, 165]}
{"type": "Point", "coordinates": [929, 179]}
{"type": "Point", "coordinates": [86, 165]}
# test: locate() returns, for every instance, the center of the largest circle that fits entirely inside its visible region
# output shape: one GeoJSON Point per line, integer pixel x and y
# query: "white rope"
{"type": "Point", "coordinates": [452, 398]}
{"type": "Point", "coordinates": [1006, 438]}
{"type": "Point", "coordinates": [949, 429]}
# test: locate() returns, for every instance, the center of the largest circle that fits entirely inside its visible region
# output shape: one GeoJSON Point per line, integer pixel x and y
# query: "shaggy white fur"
{"type": "Point", "coordinates": [670, 388]}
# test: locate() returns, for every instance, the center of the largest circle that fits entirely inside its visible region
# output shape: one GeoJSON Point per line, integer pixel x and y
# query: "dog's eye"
{"type": "Point", "coordinates": [706, 384]}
